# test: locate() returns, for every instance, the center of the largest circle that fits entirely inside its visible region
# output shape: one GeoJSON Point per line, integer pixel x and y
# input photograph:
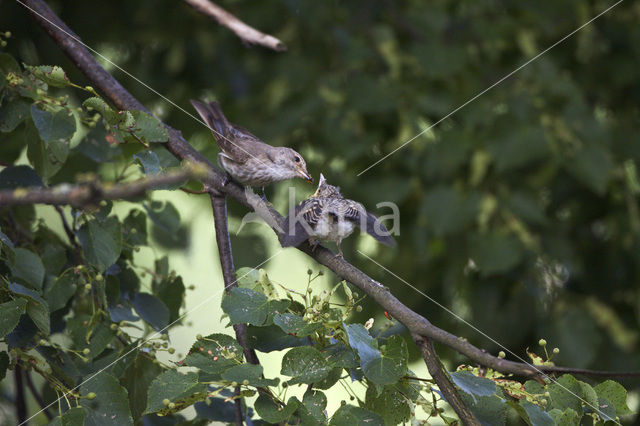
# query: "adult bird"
{"type": "Point", "coordinates": [246, 158]}
{"type": "Point", "coordinates": [328, 216]}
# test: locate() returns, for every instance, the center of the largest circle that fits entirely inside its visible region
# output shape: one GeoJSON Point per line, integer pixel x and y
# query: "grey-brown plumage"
{"type": "Point", "coordinates": [245, 157]}
{"type": "Point", "coordinates": [328, 216]}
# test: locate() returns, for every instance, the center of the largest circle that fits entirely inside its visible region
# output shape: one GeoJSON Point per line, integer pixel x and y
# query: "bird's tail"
{"type": "Point", "coordinates": [377, 230]}
{"type": "Point", "coordinates": [213, 116]}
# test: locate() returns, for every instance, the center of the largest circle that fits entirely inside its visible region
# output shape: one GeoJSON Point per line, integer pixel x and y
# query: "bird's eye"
{"type": "Point", "coordinates": [296, 159]}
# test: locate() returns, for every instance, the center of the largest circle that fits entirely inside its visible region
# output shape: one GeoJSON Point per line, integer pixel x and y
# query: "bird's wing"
{"type": "Point", "coordinates": [229, 136]}
{"type": "Point", "coordinates": [369, 223]}
{"type": "Point", "coordinates": [299, 224]}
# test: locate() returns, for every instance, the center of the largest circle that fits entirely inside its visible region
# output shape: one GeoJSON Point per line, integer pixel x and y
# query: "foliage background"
{"type": "Point", "coordinates": [536, 181]}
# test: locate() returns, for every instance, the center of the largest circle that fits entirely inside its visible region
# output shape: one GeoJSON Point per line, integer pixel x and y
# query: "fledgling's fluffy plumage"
{"type": "Point", "coordinates": [245, 157]}
{"type": "Point", "coordinates": [328, 216]}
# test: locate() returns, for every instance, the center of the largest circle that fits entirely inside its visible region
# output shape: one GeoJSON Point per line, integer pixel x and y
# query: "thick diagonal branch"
{"type": "Point", "coordinates": [416, 323]}
{"type": "Point", "coordinates": [247, 34]}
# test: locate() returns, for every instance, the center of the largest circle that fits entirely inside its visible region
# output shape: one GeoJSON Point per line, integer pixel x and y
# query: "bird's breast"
{"type": "Point", "coordinates": [332, 227]}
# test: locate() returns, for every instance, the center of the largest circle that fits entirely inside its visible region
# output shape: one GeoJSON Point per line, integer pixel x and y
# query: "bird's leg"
{"type": "Point", "coordinates": [339, 250]}
{"type": "Point", "coordinates": [264, 196]}
{"type": "Point", "coordinates": [314, 244]}
{"type": "Point", "coordinates": [227, 179]}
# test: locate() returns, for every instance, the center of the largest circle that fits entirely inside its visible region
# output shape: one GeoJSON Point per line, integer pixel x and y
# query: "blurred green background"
{"type": "Point", "coordinates": [519, 212]}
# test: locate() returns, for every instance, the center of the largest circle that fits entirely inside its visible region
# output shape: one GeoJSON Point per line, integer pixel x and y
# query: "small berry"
{"type": "Point", "coordinates": [136, 249]}
{"type": "Point", "coordinates": [7, 34]}
{"type": "Point", "coordinates": [234, 384]}
{"type": "Point", "coordinates": [103, 203]}
{"type": "Point", "coordinates": [320, 273]}
{"type": "Point", "coordinates": [309, 290]}
{"type": "Point", "coordinates": [99, 277]}
{"type": "Point", "coordinates": [152, 353]}
{"type": "Point", "coordinates": [114, 326]}
{"type": "Point", "coordinates": [309, 272]}
{"type": "Point", "coordinates": [192, 287]}
{"type": "Point", "coordinates": [501, 354]}
{"type": "Point", "coordinates": [343, 402]}
{"type": "Point", "coordinates": [556, 350]}
{"type": "Point", "coordinates": [172, 406]}
{"type": "Point", "coordinates": [86, 351]}
{"type": "Point", "coordinates": [87, 286]}
{"type": "Point", "coordinates": [89, 88]}
{"type": "Point", "coordinates": [245, 382]}
{"type": "Point", "coordinates": [355, 294]}
{"type": "Point", "coordinates": [164, 336]}
{"type": "Point", "coordinates": [543, 401]}
{"type": "Point", "coordinates": [134, 231]}
{"type": "Point", "coordinates": [542, 342]}
{"type": "Point", "coordinates": [547, 394]}
{"type": "Point", "coordinates": [3, 43]}
{"type": "Point", "coordinates": [42, 342]}
{"type": "Point", "coordinates": [358, 308]}
{"type": "Point", "coordinates": [171, 351]}
{"type": "Point", "coordinates": [166, 402]}
{"type": "Point", "coordinates": [198, 336]}
{"type": "Point", "coordinates": [91, 395]}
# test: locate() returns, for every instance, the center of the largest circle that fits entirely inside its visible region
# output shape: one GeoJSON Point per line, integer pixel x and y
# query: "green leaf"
{"type": "Point", "coordinates": [12, 114]}
{"type": "Point", "coordinates": [173, 386]}
{"type": "Point", "coordinates": [74, 416]}
{"type": "Point", "coordinates": [272, 338]}
{"type": "Point", "coordinates": [110, 406]}
{"type": "Point", "coordinates": [362, 342]}
{"type": "Point", "coordinates": [58, 125]}
{"type": "Point", "coordinates": [164, 215]}
{"type": "Point", "coordinates": [592, 166]}
{"type": "Point", "coordinates": [214, 353]}
{"type": "Point", "coordinates": [19, 177]}
{"type": "Point", "coordinates": [616, 394]}
{"type": "Point", "coordinates": [171, 292]}
{"type": "Point", "coordinates": [534, 415]}
{"type": "Point", "coordinates": [473, 385]}
{"type": "Point", "coordinates": [52, 75]}
{"type": "Point", "coordinates": [489, 410]}
{"type": "Point", "coordinates": [88, 333]}
{"type": "Point", "coordinates": [390, 404]}
{"type": "Point", "coordinates": [247, 306]}
{"type": "Point", "coordinates": [8, 64]}
{"type": "Point", "coordinates": [568, 417]}
{"type": "Point", "coordinates": [59, 293]}
{"type": "Point", "coordinates": [37, 307]}
{"type": "Point", "coordinates": [272, 413]}
{"type": "Point", "coordinates": [150, 162]}
{"type": "Point", "coordinates": [110, 115]}
{"type": "Point", "coordinates": [294, 324]}
{"type": "Point", "coordinates": [101, 242]}
{"type": "Point", "coordinates": [495, 252]}
{"type": "Point", "coordinates": [566, 393]}
{"type": "Point", "coordinates": [136, 379]}
{"type": "Point", "coordinates": [152, 310]}
{"type": "Point", "coordinates": [250, 372]}
{"type": "Point", "coordinates": [305, 365]}
{"type": "Point", "coordinates": [447, 211]}
{"type": "Point", "coordinates": [391, 365]}
{"type": "Point", "coordinates": [148, 128]}
{"type": "Point", "coordinates": [312, 409]}
{"type": "Point", "coordinates": [348, 415]}
{"type": "Point", "coordinates": [28, 267]}
{"type": "Point", "coordinates": [136, 219]}
{"type": "Point", "coordinates": [339, 355]}
{"type": "Point", "coordinates": [10, 313]}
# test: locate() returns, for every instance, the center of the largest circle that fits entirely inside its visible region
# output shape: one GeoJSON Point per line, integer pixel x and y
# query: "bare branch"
{"type": "Point", "coordinates": [180, 148]}
{"type": "Point", "coordinates": [443, 381]}
{"type": "Point", "coordinates": [247, 34]}
{"type": "Point", "coordinates": [91, 193]}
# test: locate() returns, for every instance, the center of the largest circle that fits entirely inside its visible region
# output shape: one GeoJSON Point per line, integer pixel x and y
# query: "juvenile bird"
{"type": "Point", "coordinates": [245, 157]}
{"type": "Point", "coordinates": [328, 216]}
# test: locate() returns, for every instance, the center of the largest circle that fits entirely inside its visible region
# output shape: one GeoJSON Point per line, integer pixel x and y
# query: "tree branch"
{"type": "Point", "coordinates": [179, 147]}
{"type": "Point", "coordinates": [93, 192]}
{"type": "Point", "coordinates": [36, 395]}
{"type": "Point", "coordinates": [441, 377]}
{"type": "Point", "coordinates": [247, 34]}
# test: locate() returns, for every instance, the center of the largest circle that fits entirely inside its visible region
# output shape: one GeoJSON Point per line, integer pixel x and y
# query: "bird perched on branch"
{"type": "Point", "coordinates": [328, 216]}
{"type": "Point", "coordinates": [245, 157]}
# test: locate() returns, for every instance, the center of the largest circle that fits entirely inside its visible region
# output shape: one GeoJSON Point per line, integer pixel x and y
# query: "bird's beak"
{"type": "Point", "coordinates": [305, 175]}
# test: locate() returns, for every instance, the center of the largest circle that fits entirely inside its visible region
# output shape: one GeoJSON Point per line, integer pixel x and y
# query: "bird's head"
{"type": "Point", "coordinates": [294, 163]}
{"type": "Point", "coordinates": [325, 190]}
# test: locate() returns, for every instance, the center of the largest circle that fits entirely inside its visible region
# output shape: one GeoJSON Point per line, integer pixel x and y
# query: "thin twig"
{"type": "Point", "coordinates": [37, 396]}
{"type": "Point", "coordinates": [92, 193]}
{"type": "Point", "coordinates": [21, 403]}
{"type": "Point", "coordinates": [70, 235]}
{"type": "Point", "coordinates": [247, 34]}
